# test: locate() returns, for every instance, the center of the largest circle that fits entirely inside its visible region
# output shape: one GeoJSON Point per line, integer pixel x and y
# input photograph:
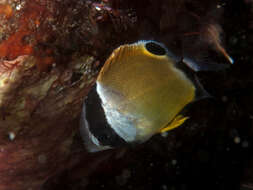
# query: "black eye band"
{"type": "Point", "coordinates": [155, 48]}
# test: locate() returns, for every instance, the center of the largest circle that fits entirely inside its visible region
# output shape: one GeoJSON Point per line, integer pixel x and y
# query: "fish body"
{"type": "Point", "coordinates": [139, 92]}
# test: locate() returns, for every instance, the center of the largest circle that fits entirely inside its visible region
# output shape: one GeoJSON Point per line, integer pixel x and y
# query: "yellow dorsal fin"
{"type": "Point", "coordinates": [176, 122]}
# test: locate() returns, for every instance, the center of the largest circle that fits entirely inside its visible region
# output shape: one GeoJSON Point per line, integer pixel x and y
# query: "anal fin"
{"type": "Point", "coordinates": [176, 122]}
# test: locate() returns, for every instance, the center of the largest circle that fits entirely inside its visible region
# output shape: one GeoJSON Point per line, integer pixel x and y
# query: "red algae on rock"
{"type": "Point", "coordinates": [14, 46]}
{"type": "Point", "coordinates": [49, 53]}
{"type": "Point", "coordinates": [43, 83]}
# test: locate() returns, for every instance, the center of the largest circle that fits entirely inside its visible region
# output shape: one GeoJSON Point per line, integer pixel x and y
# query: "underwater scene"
{"type": "Point", "coordinates": [126, 94]}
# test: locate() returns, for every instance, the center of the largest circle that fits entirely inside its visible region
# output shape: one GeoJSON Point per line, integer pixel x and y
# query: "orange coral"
{"type": "Point", "coordinates": [28, 27]}
{"type": "Point", "coordinates": [13, 46]}
{"type": "Point", "coordinates": [6, 10]}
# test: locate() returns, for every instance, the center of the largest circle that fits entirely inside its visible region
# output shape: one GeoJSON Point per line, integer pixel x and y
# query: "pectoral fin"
{"type": "Point", "coordinates": [176, 122]}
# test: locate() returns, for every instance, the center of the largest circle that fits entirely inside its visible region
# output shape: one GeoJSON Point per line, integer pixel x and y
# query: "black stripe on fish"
{"type": "Point", "coordinates": [95, 129]}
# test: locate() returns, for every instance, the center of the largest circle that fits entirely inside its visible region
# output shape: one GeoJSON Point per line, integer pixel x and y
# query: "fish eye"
{"type": "Point", "coordinates": [155, 48]}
